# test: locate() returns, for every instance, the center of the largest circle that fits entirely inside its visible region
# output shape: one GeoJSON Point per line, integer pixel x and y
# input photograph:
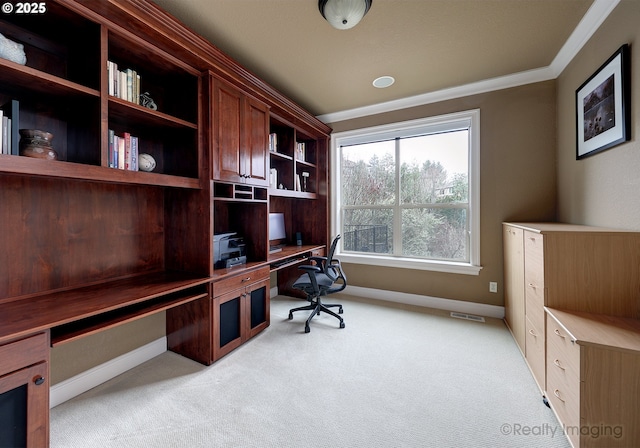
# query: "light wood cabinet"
{"type": "Point", "coordinates": [240, 131]}
{"type": "Point", "coordinates": [570, 267]}
{"type": "Point", "coordinates": [593, 377]}
{"type": "Point", "coordinates": [576, 270]}
{"type": "Point", "coordinates": [513, 283]}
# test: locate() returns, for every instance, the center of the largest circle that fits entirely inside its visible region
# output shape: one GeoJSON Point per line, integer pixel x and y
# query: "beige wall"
{"type": "Point", "coordinates": [72, 358]}
{"type": "Point", "coordinates": [517, 182]}
{"type": "Point", "coordinates": [603, 189]}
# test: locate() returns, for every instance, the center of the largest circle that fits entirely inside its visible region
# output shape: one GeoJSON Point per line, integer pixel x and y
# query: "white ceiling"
{"type": "Point", "coordinates": [429, 46]}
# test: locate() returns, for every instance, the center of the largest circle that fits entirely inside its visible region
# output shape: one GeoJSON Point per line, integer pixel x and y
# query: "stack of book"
{"type": "Point", "coordinates": [9, 124]}
{"type": "Point", "coordinates": [123, 84]}
{"type": "Point", "coordinates": [123, 151]}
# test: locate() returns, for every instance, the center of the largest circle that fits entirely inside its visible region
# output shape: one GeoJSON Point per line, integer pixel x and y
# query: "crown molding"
{"type": "Point", "coordinates": [595, 16]}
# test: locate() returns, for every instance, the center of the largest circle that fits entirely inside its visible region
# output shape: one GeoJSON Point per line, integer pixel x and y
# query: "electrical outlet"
{"type": "Point", "coordinates": [493, 286]}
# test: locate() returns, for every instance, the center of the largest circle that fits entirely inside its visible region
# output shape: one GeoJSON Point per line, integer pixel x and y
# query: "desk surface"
{"type": "Point", "coordinates": [135, 297]}
{"type": "Point", "coordinates": [294, 253]}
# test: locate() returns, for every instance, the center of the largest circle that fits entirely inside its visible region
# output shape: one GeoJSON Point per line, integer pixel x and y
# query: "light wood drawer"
{"type": "Point", "coordinates": [245, 278]}
{"type": "Point", "coordinates": [534, 352]}
{"type": "Point", "coordinates": [535, 312]}
{"type": "Point", "coordinates": [534, 266]}
{"type": "Point", "coordinates": [563, 376]}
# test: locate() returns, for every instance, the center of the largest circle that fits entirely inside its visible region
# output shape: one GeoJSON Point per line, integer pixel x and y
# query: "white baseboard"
{"type": "Point", "coordinates": [460, 306]}
{"type": "Point", "coordinates": [72, 387]}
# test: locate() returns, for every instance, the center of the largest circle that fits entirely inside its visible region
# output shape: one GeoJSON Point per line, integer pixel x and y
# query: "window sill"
{"type": "Point", "coordinates": [410, 263]}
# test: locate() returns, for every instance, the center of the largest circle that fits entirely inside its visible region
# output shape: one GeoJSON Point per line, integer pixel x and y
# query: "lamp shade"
{"type": "Point", "coordinates": [344, 14]}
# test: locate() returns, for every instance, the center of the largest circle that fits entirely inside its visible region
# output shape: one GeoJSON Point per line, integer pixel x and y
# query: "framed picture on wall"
{"type": "Point", "coordinates": [603, 115]}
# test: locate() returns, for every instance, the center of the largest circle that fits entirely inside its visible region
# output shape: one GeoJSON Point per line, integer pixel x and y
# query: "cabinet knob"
{"type": "Point", "coordinates": [38, 380]}
{"type": "Point", "coordinates": [557, 332]}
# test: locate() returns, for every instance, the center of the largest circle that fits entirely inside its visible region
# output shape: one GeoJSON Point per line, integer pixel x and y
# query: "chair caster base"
{"type": "Point", "coordinates": [307, 329]}
{"type": "Point", "coordinates": [341, 324]}
{"type": "Point", "coordinates": [290, 316]}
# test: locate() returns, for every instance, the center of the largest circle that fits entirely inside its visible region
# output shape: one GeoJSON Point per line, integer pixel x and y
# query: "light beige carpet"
{"type": "Point", "coordinates": [394, 377]}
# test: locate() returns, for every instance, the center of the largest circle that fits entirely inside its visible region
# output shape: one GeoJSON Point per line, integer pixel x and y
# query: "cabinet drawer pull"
{"type": "Point", "coordinates": [38, 380]}
{"type": "Point", "coordinates": [557, 363]}
{"type": "Point", "coordinates": [557, 332]}
{"type": "Point", "coordinates": [533, 333]}
{"type": "Point", "coordinates": [557, 394]}
{"type": "Point", "coordinates": [246, 279]}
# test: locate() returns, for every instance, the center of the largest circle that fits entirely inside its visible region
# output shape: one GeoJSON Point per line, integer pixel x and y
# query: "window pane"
{"type": "Point", "coordinates": [434, 168]}
{"type": "Point", "coordinates": [368, 174]}
{"type": "Point", "coordinates": [435, 233]}
{"type": "Point", "coordinates": [368, 230]}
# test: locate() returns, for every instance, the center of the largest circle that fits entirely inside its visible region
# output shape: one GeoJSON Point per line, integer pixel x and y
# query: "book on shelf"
{"type": "Point", "coordinates": [9, 127]}
{"type": "Point", "coordinates": [123, 151]}
{"type": "Point", "coordinates": [273, 142]}
{"type": "Point", "coordinates": [298, 184]}
{"type": "Point", "coordinates": [300, 151]}
{"type": "Point", "coordinates": [5, 135]}
{"type": "Point", "coordinates": [123, 84]}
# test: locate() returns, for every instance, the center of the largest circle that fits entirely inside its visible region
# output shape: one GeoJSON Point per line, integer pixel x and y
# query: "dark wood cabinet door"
{"type": "Point", "coordinates": [256, 142]}
{"type": "Point", "coordinates": [240, 140]}
{"type": "Point", "coordinates": [227, 112]}
{"type": "Point", "coordinates": [24, 396]}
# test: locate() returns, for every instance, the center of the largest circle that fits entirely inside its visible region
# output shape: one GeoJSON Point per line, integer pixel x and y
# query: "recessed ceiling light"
{"type": "Point", "coordinates": [383, 81]}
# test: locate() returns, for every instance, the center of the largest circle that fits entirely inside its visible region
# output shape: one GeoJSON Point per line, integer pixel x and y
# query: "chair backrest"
{"type": "Point", "coordinates": [330, 269]}
{"type": "Point", "coordinates": [332, 250]}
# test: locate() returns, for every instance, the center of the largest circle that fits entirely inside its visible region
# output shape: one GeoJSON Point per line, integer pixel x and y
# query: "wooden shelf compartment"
{"type": "Point", "coordinates": [90, 325]}
{"type": "Point", "coordinates": [279, 155]}
{"type": "Point", "coordinates": [124, 111]}
{"type": "Point", "coordinates": [59, 45]}
{"type": "Point", "coordinates": [121, 300]}
{"type": "Point", "coordinates": [67, 170]}
{"type": "Point", "coordinates": [172, 84]}
{"type": "Point", "coordinates": [24, 77]}
{"type": "Point", "coordinates": [239, 192]}
{"type": "Point", "coordinates": [292, 194]}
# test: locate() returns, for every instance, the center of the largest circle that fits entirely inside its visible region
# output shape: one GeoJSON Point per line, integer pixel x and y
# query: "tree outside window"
{"type": "Point", "coordinates": [408, 195]}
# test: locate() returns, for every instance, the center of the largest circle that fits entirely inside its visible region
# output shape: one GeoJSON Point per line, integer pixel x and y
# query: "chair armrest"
{"type": "Point", "coordinates": [309, 268]}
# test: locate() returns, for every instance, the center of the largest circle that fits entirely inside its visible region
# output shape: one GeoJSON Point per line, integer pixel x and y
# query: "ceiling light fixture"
{"type": "Point", "coordinates": [343, 14]}
{"type": "Point", "coordinates": [383, 81]}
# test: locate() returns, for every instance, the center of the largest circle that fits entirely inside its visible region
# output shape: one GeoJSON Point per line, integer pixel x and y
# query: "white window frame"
{"type": "Point", "coordinates": [466, 119]}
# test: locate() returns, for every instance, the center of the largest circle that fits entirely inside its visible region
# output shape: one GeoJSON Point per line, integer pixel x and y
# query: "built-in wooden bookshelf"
{"type": "Point", "coordinates": [86, 247]}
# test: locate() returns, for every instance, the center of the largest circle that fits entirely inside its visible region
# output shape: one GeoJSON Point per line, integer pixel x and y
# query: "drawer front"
{"type": "Point", "coordinates": [534, 352]}
{"type": "Point", "coordinates": [535, 312]}
{"type": "Point", "coordinates": [534, 266]}
{"type": "Point", "coordinates": [563, 376]}
{"type": "Point", "coordinates": [23, 353]}
{"type": "Point", "coordinates": [241, 280]}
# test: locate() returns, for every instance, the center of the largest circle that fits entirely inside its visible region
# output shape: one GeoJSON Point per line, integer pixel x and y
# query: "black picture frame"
{"type": "Point", "coordinates": [603, 102]}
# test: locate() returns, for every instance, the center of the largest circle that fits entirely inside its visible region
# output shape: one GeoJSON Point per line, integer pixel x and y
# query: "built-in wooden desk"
{"type": "Point", "coordinates": [76, 312]}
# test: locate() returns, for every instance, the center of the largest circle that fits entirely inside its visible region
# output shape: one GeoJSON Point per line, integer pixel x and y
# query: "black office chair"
{"type": "Point", "coordinates": [324, 278]}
